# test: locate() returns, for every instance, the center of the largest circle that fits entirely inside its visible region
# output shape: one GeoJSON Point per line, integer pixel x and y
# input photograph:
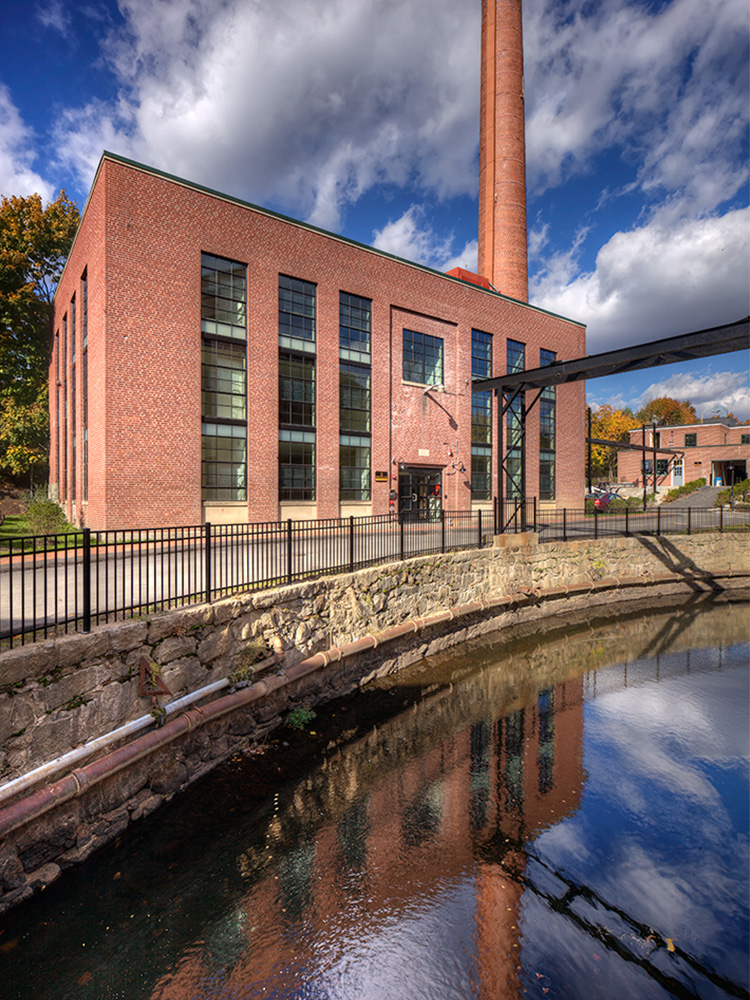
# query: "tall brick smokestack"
{"type": "Point", "coordinates": [502, 151]}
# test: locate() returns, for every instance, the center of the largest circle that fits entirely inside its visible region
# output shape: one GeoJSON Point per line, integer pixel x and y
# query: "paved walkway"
{"type": "Point", "coordinates": [703, 497]}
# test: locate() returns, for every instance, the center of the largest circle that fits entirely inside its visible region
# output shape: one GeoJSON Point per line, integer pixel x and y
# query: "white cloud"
{"type": "Point", "coordinates": [412, 238]}
{"type": "Point", "coordinates": [17, 154]}
{"type": "Point", "coordinates": [310, 106]}
{"type": "Point", "coordinates": [667, 87]}
{"type": "Point", "coordinates": [707, 392]}
{"type": "Point", "coordinates": [54, 16]}
{"type": "Point", "coordinates": [655, 281]}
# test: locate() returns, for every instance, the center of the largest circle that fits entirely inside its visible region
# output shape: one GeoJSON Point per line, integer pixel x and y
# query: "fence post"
{"type": "Point", "coordinates": [596, 523]}
{"type": "Point", "coordinates": [351, 543]}
{"type": "Point", "coordinates": [689, 510]}
{"type": "Point", "coordinates": [401, 533]}
{"type": "Point", "coordinates": [289, 550]}
{"type": "Point", "coordinates": [627, 521]}
{"type": "Point", "coordinates": [479, 527]}
{"type": "Point", "coordinates": [86, 569]}
{"type": "Point", "coordinates": [535, 513]}
{"type": "Point", "coordinates": [565, 524]}
{"type": "Point", "coordinates": [721, 518]}
{"type": "Point", "coordinates": [658, 521]}
{"type": "Point", "coordinates": [207, 574]}
{"type": "Point", "coordinates": [442, 530]}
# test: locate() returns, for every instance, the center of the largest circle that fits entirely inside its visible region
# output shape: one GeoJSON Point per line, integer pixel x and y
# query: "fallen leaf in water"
{"type": "Point", "coordinates": [670, 944]}
{"type": "Point", "coordinates": [85, 979]}
{"type": "Point", "coordinates": [8, 945]}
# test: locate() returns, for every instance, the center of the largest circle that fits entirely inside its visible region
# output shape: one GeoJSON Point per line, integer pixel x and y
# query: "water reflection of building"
{"type": "Point", "coordinates": [417, 806]}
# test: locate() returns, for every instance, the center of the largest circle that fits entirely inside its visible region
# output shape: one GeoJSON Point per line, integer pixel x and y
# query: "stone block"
{"type": "Point", "coordinates": [43, 876]}
{"type": "Point", "coordinates": [165, 624]}
{"type": "Point", "coordinates": [118, 702]}
{"type": "Point", "coordinates": [174, 678]}
{"type": "Point", "coordinates": [127, 635]}
{"type": "Point", "coordinates": [17, 717]}
{"type": "Point", "coordinates": [12, 875]}
{"type": "Point", "coordinates": [133, 659]}
{"type": "Point", "coordinates": [167, 778]}
{"type": "Point", "coordinates": [147, 806]}
{"type": "Point", "coordinates": [174, 647]}
{"type": "Point", "coordinates": [26, 662]}
{"type": "Point", "coordinates": [54, 738]}
{"type": "Point", "coordinates": [217, 644]}
{"type": "Point", "coordinates": [69, 687]}
{"type": "Point", "coordinates": [71, 650]}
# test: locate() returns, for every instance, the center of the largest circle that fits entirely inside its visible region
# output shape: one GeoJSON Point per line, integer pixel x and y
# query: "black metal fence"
{"type": "Point", "coordinates": [61, 583]}
{"type": "Point", "coordinates": [568, 524]}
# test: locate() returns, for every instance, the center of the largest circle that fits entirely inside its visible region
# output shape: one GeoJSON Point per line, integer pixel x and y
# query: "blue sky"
{"type": "Point", "coordinates": [361, 116]}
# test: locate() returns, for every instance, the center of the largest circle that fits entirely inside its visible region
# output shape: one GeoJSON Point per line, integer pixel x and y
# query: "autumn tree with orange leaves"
{"type": "Point", "coordinates": [667, 412]}
{"type": "Point", "coordinates": [608, 424]}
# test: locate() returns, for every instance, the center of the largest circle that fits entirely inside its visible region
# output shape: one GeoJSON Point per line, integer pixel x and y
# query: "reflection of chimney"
{"type": "Point", "coordinates": [502, 155]}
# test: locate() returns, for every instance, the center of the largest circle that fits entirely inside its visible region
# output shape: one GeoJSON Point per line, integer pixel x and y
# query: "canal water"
{"type": "Point", "coordinates": [560, 815]}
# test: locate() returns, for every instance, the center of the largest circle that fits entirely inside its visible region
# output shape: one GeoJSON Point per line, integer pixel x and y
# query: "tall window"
{"type": "Point", "coordinates": [297, 375]}
{"type": "Point", "coordinates": [481, 417]}
{"type": "Point", "coordinates": [296, 314]}
{"type": "Point", "coordinates": [85, 385]}
{"type": "Point", "coordinates": [355, 322]}
{"type": "Point", "coordinates": [296, 391]}
{"type": "Point", "coordinates": [224, 378]}
{"type": "Point", "coordinates": [64, 379]}
{"type": "Point", "coordinates": [547, 417]}
{"type": "Point", "coordinates": [515, 362]}
{"type": "Point", "coordinates": [73, 450]}
{"type": "Point", "coordinates": [423, 358]}
{"type": "Point", "coordinates": [58, 411]}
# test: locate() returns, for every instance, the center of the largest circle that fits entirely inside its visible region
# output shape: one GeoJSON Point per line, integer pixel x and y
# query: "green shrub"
{"type": "Point", "coordinates": [45, 517]}
{"type": "Point", "coordinates": [741, 495]}
{"type": "Point", "coordinates": [681, 491]}
{"type": "Point", "coordinates": [300, 717]}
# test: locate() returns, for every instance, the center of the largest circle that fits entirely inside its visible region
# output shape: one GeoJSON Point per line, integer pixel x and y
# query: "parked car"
{"type": "Point", "coordinates": [601, 498]}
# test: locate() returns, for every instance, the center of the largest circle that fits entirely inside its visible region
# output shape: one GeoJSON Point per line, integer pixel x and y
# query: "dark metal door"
{"type": "Point", "coordinates": [420, 494]}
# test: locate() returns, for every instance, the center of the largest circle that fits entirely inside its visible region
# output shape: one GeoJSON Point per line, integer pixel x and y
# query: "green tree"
{"type": "Point", "coordinates": [24, 434]}
{"type": "Point", "coordinates": [34, 245]}
{"type": "Point", "coordinates": [667, 412]}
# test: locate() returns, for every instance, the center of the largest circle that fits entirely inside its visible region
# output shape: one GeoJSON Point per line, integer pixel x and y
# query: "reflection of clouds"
{"type": "Point", "coordinates": [667, 767]}
{"type": "Point", "coordinates": [566, 840]}
{"type": "Point", "coordinates": [424, 951]}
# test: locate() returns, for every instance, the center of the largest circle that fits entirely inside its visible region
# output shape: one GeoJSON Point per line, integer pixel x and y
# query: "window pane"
{"type": "Point", "coordinates": [296, 308]}
{"type": "Point", "coordinates": [355, 318]}
{"type": "Point", "coordinates": [296, 470]}
{"type": "Point", "coordinates": [422, 358]}
{"type": "Point", "coordinates": [296, 390]}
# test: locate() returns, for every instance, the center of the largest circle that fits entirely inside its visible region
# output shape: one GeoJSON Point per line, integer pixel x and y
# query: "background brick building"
{"type": "Point", "coordinates": [716, 451]}
{"type": "Point", "coordinates": [215, 361]}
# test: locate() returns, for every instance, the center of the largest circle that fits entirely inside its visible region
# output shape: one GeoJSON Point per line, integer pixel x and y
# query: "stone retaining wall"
{"type": "Point", "coordinates": [59, 694]}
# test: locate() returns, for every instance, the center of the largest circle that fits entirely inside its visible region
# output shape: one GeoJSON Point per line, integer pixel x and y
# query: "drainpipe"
{"type": "Point", "coordinates": [45, 771]}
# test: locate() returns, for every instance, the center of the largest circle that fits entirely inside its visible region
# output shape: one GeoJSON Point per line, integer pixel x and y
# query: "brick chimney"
{"type": "Point", "coordinates": [502, 151]}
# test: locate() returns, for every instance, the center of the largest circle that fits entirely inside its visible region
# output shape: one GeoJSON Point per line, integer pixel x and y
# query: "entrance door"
{"type": "Point", "coordinates": [420, 494]}
{"type": "Point", "coordinates": [677, 473]}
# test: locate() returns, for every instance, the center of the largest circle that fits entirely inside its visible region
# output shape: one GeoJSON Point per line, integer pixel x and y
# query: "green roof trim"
{"type": "Point", "coordinates": [174, 179]}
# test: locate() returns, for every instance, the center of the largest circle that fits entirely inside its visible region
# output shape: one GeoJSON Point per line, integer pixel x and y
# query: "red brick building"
{"type": "Point", "coordinates": [716, 451]}
{"type": "Point", "coordinates": [215, 361]}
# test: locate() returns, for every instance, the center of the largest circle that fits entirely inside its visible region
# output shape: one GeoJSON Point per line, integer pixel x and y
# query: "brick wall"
{"type": "Point", "coordinates": [141, 239]}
